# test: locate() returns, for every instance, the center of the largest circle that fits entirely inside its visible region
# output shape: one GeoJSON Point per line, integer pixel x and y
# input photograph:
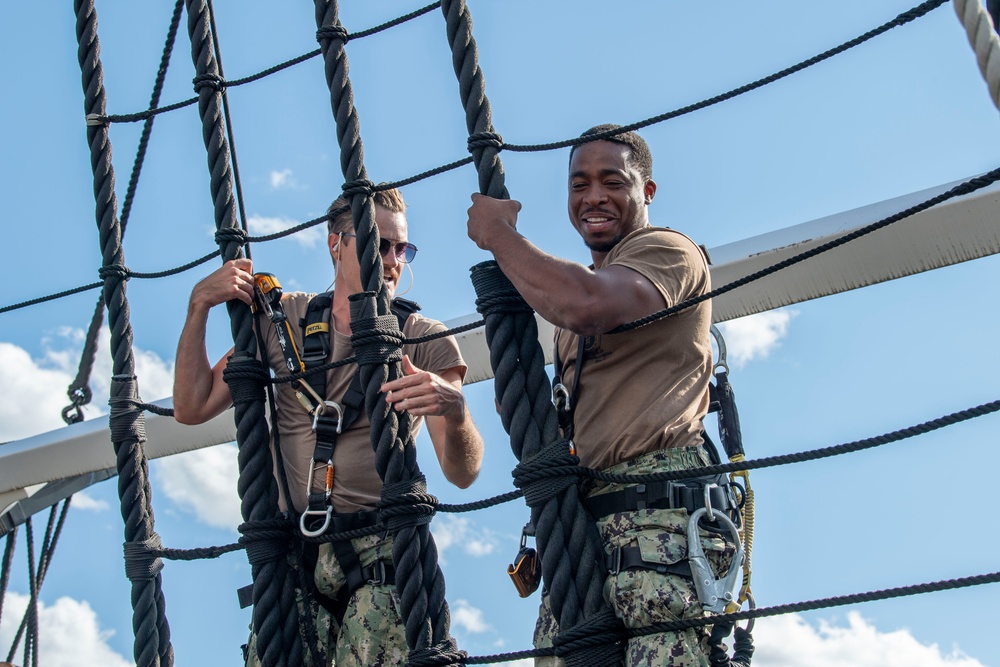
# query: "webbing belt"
{"type": "Point", "coordinates": [689, 494]}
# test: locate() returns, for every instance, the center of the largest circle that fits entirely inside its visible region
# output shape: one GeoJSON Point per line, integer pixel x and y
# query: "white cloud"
{"type": "Point", "coordinates": [450, 531]}
{"type": "Point", "coordinates": [283, 179]}
{"type": "Point", "coordinates": [791, 641]}
{"type": "Point", "coordinates": [203, 482]}
{"type": "Point", "coordinates": [468, 617]}
{"type": "Point", "coordinates": [35, 389]}
{"type": "Point", "coordinates": [307, 238]}
{"type": "Point", "coordinates": [754, 336]}
{"type": "Point", "coordinates": [69, 633]}
{"type": "Point", "coordinates": [82, 501]}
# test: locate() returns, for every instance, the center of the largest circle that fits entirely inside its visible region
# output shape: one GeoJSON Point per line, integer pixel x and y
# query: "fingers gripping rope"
{"type": "Point", "coordinates": [983, 38]}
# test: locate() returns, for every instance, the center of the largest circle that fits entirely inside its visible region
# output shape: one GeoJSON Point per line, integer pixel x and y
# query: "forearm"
{"type": "Point", "coordinates": [193, 376]}
{"type": "Point", "coordinates": [462, 453]}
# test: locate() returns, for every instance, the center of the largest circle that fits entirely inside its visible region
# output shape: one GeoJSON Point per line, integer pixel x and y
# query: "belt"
{"type": "Point", "coordinates": [689, 494]}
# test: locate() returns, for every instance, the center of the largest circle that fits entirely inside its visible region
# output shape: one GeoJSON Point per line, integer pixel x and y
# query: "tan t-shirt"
{"type": "Point", "coordinates": [356, 484]}
{"type": "Point", "coordinates": [645, 389]}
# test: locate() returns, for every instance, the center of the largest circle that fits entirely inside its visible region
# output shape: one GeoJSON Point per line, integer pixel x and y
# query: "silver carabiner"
{"type": "Point", "coordinates": [561, 398]}
{"type": "Point", "coordinates": [321, 409]}
{"type": "Point", "coordinates": [721, 343]}
{"type": "Point", "coordinates": [713, 593]}
{"type": "Point", "coordinates": [328, 512]}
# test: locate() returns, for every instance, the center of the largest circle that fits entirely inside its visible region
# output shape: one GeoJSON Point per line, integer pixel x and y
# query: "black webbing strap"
{"type": "Point", "coordinates": [688, 494]}
{"type": "Point", "coordinates": [723, 400]}
{"type": "Point", "coordinates": [316, 338]}
{"type": "Point", "coordinates": [630, 558]}
{"type": "Point", "coordinates": [566, 404]}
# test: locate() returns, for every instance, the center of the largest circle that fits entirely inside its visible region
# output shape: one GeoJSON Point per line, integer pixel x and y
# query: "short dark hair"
{"type": "Point", "coordinates": [639, 152]}
{"type": "Point", "coordinates": [391, 199]}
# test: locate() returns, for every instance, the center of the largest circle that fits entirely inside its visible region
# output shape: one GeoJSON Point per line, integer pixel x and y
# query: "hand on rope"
{"type": "Point", "coordinates": [424, 394]}
{"type": "Point", "coordinates": [233, 280]}
{"type": "Point", "coordinates": [485, 213]}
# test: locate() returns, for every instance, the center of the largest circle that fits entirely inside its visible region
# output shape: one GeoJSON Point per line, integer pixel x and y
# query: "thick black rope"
{"type": "Point", "coordinates": [79, 390]}
{"type": "Point", "coordinates": [6, 564]}
{"type": "Point", "coordinates": [153, 110]}
{"type": "Point", "coordinates": [419, 581]}
{"type": "Point", "coordinates": [572, 562]}
{"type": "Point", "coordinates": [275, 619]}
{"type": "Point", "coordinates": [151, 646]}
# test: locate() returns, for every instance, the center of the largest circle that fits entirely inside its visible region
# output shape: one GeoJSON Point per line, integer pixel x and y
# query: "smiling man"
{"type": "Point", "coordinates": [359, 624]}
{"type": "Point", "coordinates": [638, 397]}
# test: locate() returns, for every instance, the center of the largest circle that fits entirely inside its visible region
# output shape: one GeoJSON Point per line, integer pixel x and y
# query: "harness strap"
{"type": "Point", "coordinates": [686, 494]}
{"type": "Point", "coordinates": [630, 558]}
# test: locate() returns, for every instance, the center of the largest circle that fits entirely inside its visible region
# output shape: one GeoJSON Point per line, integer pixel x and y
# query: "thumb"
{"type": "Point", "coordinates": [408, 367]}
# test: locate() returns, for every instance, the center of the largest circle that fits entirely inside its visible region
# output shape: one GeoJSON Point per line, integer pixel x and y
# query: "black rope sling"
{"type": "Point", "coordinates": [405, 506]}
{"type": "Point", "coordinates": [572, 562]}
{"type": "Point", "coordinates": [275, 615]}
{"type": "Point", "coordinates": [152, 634]}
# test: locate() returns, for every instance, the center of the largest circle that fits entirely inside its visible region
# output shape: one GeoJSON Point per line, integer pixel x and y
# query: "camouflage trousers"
{"type": "Point", "coordinates": [371, 633]}
{"type": "Point", "coordinates": [645, 597]}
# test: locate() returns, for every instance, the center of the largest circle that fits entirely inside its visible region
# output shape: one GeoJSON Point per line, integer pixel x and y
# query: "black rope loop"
{"type": "Point", "coordinates": [595, 641]}
{"type": "Point", "coordinates": [406, 504]}
{"type": "Point", "coordinates": [359, 187]}
{"type": "Point", "coordinates": [126, 421]}
{"type": "Point", "coordinates": [209, 80]}
{"type": "Point", "coordinates": [245, 377]}
{"type": "Point", "coordinates": [377, 340]}
{"type": "Point", "coordinates": [141, 560]}
{"type": "Point", "coordinates": [338, 32]}
{"type": "Point", "coordinates": [231, 235]}
{"type": "Point", "coordinates": [496, 293]}
{"type": "Point", "coordinates": [266, 541]}
{"type": "Point", "coordinates": [480, 140]}
{"type": "Point", "coordinates": [443, 654]}
{"type": "Point", "coordinates": [547, 474]}
{"type": "Point", "coordinates": [119, 271]}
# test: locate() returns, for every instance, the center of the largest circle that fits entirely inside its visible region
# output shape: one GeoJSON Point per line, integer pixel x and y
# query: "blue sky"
{"type": "Point", "coordinates": [906, 111]}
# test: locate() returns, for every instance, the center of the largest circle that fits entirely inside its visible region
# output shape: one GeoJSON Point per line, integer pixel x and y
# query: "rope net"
{"type": "Point", "coordinates": [566, 534]}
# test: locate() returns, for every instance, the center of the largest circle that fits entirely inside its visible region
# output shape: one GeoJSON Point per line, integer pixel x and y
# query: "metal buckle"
{"type": "Point", "coordinates": [708, 502]}
{"type": "Point", "coordinates": [321, 410]}
{"type": "Point", "coordinates": [640, 501]}
{"type": "Point", "coordinates": [378, 573]}
{"type": "Point", "coordinates": [713, 593]}
{"type": "Point", "coordinates": [561, 398]}
{"type": "Point", "coordinates": [328, 512]}
{"type": "Point", "coordinates": [616, 561]}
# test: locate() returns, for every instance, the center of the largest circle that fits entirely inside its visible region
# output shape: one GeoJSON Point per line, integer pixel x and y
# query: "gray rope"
{"type": "Point", "coordinates": [152, 634]}
{"type": "Point", "coordinates": [275, 619]}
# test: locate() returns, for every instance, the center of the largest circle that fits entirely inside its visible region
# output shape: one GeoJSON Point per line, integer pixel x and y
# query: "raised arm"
{"type": "Point", "coordinates": [439, 399]}
{"type": "Point", "coordinates": [570, 295]}
{"type": "Point", "coordinates": [200, 393]}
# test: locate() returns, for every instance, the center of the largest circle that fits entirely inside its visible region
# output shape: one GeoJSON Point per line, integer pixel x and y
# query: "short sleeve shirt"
{"type": "Point", "coordinates": [645, 389]}
{"type": "Point", "coordinates": [356, 483]}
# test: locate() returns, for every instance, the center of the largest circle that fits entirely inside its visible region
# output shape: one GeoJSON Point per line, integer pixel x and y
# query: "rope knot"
{"type": "Point", "coordinates": [246, 379]}
{"type": "Point", "coordinates": [443, 654]}
{"type": "Point", "coordinates": [480, 140]}
{"type": "Point", "coordinates": [231, 235]}
{"type": "Point", "coordinates": [496, 294]}
{"type": "Point", "coordinates": [333, 32]}
{"type": "Point", "coordinates": [594, 641]}
{"type": "Point", "coordinates": [209, 80]}
{"type": "Point", "coordinates": [142, 560]}
{"type": "Point", "coordinates": [266, 541]}
{"type": "Point", "coordinates": [126, 419]}
{"type": "Point", "coordinates": [118, 271]}
{"type": "Point", "coordinates": [406, 504]}
{"type": "Point", "coordinates": [360, 187]}
{"type": "Point", "coordinates": [546, 474]}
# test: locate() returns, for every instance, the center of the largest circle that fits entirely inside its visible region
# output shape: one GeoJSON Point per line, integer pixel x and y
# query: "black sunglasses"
{"type": "Point", "coordinates": [404, 252]}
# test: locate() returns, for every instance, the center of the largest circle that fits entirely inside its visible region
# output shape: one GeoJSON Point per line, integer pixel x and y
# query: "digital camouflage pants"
{"type": "Point", "coordinates": [645, 597]}
{"type": "Point", "coordinates": [371, 634]}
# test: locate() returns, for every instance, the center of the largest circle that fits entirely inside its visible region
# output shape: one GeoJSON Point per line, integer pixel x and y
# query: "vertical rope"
{"type": "Point", "coordinates": [983, 38]}
{"type": "Point", "coordinates": [404, 503]}
{"type": "Point", "coordinates": [275, 616]}
{"type": "Point", "coordinates": [152, 635]}
{"type": "Point", "coordinates": [572, 566]}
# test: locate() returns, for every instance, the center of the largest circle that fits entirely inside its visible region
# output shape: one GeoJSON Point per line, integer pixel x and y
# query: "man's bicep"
{"type": "Point", "coordinates": [628, 295]}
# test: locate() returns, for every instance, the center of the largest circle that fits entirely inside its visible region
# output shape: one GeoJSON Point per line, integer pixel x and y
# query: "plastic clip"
{"type": "Point", "coordinates": [526, 570]}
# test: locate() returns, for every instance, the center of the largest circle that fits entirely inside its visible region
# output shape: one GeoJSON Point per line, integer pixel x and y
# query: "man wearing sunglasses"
{"type": "Point", "coordinates": [357, 623]}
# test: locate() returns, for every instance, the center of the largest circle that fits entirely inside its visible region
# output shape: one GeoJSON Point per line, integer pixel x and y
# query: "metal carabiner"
{"type": "Point", "coordinates": [561, 398]}
{"type": "Point", "coordinates": [328, 512]}
{"type": "Point", "coordinates": [713, 593]}
{"type": "Point", "coordinates": [721, 343]}
{"type": "Point", "coordinates": [321, 410]}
